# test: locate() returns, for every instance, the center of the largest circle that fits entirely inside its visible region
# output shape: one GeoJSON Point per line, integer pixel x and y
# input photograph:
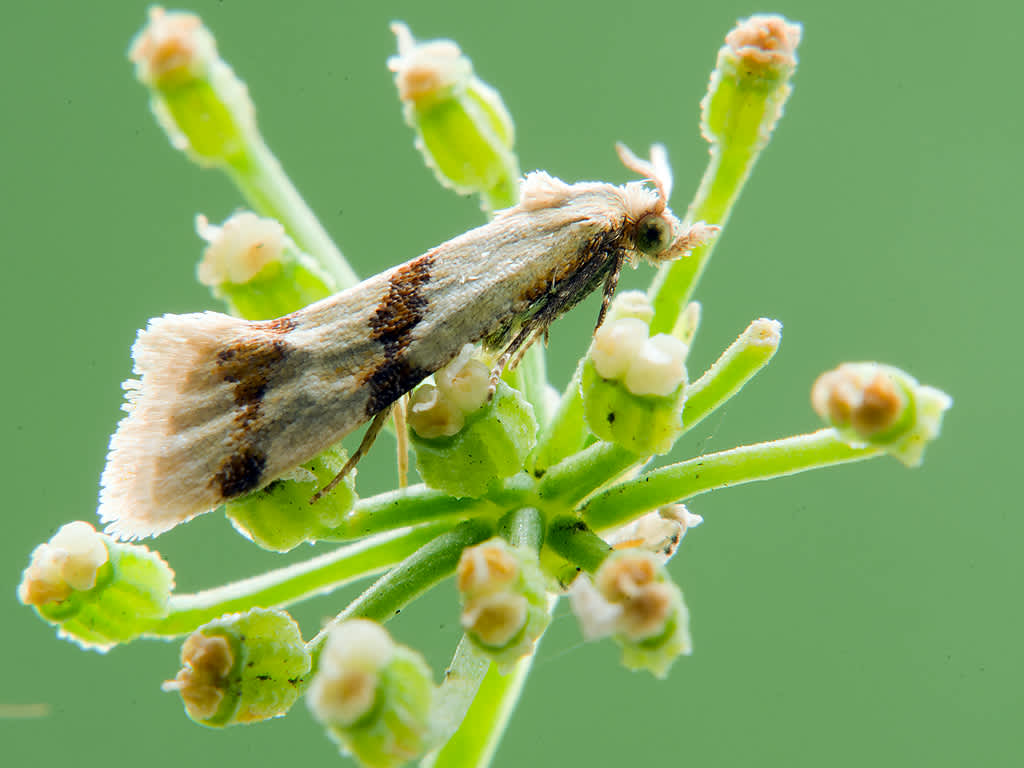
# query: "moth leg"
{"type": "Point", "coordinates": [371, 434]}
{"type": "Point", "coordinates": [610, 284]}
{"type": "Point", "coordinates": [402, 440]}
{"type": "Point", "coordinates": [529, 329]}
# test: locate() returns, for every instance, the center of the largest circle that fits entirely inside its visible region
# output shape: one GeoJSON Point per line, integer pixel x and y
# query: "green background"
{"type": "Point", "coordinates": [866, 615]}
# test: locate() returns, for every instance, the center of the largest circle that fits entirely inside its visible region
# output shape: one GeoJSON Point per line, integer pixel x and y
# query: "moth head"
{"type": "Point", "coordinates": [657, 234]}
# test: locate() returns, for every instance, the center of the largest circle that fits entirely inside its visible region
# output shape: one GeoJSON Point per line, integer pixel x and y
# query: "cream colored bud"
{"type": "Point", "coordinates": [202, 681]}
{"type": "Point", "coordinates": [495, 619]}
{"type": "Point", "coordinates": [69, 561]}
{"type": "Point", "coordinates": [615, 346]}
{"type": "Point", "coordinates": [172, 47]}
{"type": "Point", "coordinates": [345, 686]}
{"type": "Point", "coordinates": [485, 569]}
{"type": "Point", "coordinates": [624, 577]}
{"type": "Point", "coordinates": [658, 368]}
{"type": "Point", "coordinates": [433, 414]}
{"type": "Point", "coordinates": [863, 397]}
{"type": "Point", "coordinates": [425, 71]}
{"type": "Point", "coordinates": [766, 42]}
{"type": "Point", "coordinates": [631, 304]}
{"type": "Point", "coordinates": [465, 381]}
{"type": "Point", "coordinates": [240, 248]}
{"type": "Point", "coordinates": [659, 532]}
{"type": "Point", "coordinates": [646, 613]}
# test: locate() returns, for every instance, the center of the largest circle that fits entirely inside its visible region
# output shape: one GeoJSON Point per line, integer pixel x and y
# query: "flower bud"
{"type": "Point", "coordinates": [659, 532]}
{"type": "Point", "coordinates": [462, 126]}
{"type": "Point", "coordinates": [882, 406]}
{"type": "Point", "coordinates": [463, 442]}
{"type": "Point", "coordinates": [634, 386]}
{"type": "Point", "coordinates": [504, 602]}
{"type": "Point", "coordinates": [633, 599]}
{"type": "Point", "coordinates": [241, 668]}
{"type": "Point", "coordinates": [256, 269]}
{"type": "Point", "coordinates": [279, 517]}
{"type": "Point", "coordinates": [374, 696]}
{"type": "Point", "coordinates": [750, 84]}
{"type": "Point", "coordinates": [196, 97]}
{"type": "Point", "coordinates": [97, 591]}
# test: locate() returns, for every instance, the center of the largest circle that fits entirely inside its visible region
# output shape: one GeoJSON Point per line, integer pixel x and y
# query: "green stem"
{"type": "Point", "coordinates": [572, 480]}
{"type": "Point", "coordinates": [267, 188]}
{"type": "Point", "coordinates": [523, 527]}
{"type": "Point", "coordinates": [573, 539]}
{"type": "Point", "coordinates": [565, 433]}
{"type": "Point", "coordinates": [476, 740]}
{"type": "Point", "coordinates": [751, 352]}
{"type": "Point", "coordinates": [723, 181]}
{"type": "Point", "coordinates": [294, 583]}
{"type": "Point", "coordinates": [456, 694]}
{"type": "Point", "coordinates": [423, 569]}
{"type": "Point", "coordinates": [624, 502]}
{"type": "Point", "coordinates": [406, 506]}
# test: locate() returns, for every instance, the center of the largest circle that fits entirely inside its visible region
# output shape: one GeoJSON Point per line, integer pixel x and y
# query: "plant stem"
{"type": "Point", "coordinates": [406, 506]}
{"type": "Point", "coordinates": [564, 434]}
{"type": "Point", "coordinates": [573, 539]}
{"type": "Point", "coordinates": [751, 352]}
{"type": "Point", "coordinates": [523, 527]}
{"type": "Point", "coordinates": [267, 188]}
{"type": "Point", "coordinates": [572, 480]}
{"type": "Point", "coordinates": [723, 181]}
{"type": "Point", "coordinates": [296, 582]}
{"type": "Point", "coordinates": [424, 568]}
{"type": "Point", "coordinates": [624, 502]}
{"type": "Point", "coordinates": [476, 740]}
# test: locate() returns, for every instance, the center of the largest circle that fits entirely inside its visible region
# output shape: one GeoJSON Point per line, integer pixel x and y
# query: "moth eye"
{"type": "Point", "coordinates": [653, 234]}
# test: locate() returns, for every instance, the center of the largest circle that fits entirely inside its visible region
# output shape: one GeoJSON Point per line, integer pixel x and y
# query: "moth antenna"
{"type": "Point", "coordinates": [657, 169]}
{"type": "Point", "coordinates": [364, 445]}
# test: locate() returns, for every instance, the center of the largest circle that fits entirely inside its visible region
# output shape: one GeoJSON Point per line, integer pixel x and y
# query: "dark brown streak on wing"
{"type": "Point", "coordinates": [248, 365]}
{"type": "Point", "coordinates": [392, 324]}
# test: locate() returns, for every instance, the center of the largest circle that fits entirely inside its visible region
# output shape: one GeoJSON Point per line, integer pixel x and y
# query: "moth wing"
{"type": "Point", "coordinates": [222, 407]}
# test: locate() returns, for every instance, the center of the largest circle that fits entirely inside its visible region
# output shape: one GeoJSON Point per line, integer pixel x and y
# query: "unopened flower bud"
{"type": "Point", "coordinates": [200, 103]}
{"type": "Point", "coordinates": [659, 532]}
{"type": "Point", "coordinates": [279, 517]}
{"type": "Point", "coordinates": [882, 406]}
{"type": "Point", "coordinates": [631, 304]}
{"type": "Point", "coordinates": [750, 84]}
{"type": "Point", "coordinates": [374, 696]}
{"type": "Point", "coordinates": [633, 599]}
{"type": "Point", "coordinates": [634, 386]}
{"type": "Point", "coordinates": [504, 602]}
{"type": "Point", "coordinates": [463, 452]}
{"type": "Point", "coordinates": [462, 126]}
{"type": "Point", "coordinates": [97, 591]}
{"type": "Point", "coordinates": [241, 668]}
{"type": "Point", "coordinates": [432, 413]}
{"type": "Point", "coordinates": [255, 267]}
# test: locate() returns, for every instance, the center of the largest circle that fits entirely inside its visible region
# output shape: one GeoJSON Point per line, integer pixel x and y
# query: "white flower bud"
{"type": "Point", "coordinates": [69, 561]}
{"type": "Point", "coordinates": [433, 414]}
{"type": "Point", "coordinates": [240, 248]}
{"type": "Point", "coordinates": [465, 381]}
{"type": "Point", "coordinates": [659, 367]}
{"type": "Point", "coordinates": [616, 344]}
{"type": "Point", "coordinates": [345, 686]}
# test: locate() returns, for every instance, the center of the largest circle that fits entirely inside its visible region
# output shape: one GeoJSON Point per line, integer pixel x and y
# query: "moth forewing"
{"type": "Point", "coordinates": [224, 406]}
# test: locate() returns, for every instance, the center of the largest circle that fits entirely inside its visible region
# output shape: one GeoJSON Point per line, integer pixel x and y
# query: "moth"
{"type": "Point", "coordinates": [223, 406]}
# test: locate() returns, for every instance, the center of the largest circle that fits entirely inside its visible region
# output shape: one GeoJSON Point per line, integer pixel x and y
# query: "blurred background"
{"type": "Point", "coordinates": [864, 615]}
